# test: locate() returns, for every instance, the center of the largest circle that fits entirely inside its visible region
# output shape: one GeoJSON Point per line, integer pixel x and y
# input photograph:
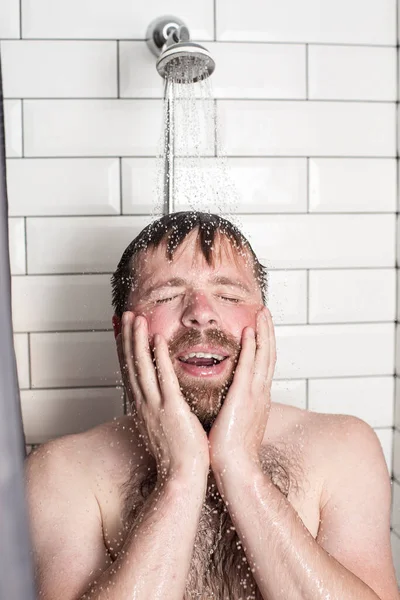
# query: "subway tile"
{"type": "Point", "coordinates": [308, 21]}
{"type": "Point", "coordinates": [13, 127]}
{"type": "Point", "coordinates": [290, 392]}
{"type": "Point", "coordinates": [91, 127]}
{"type": "Point", "coordinates": [385, 437]}
{"type": "Point", "coordinates": [59, 69]}
{"type": "Point", "coordinates": [16, 245]}
{"type": "Point", "coordinates": [352, 295]}
{"type": "Point", "coordinates": [22, 359]}
{"type": "Point", "coordinates": [109, 128]}
{"type": "Point", "coordinates": [368, 398]}
{"type": "Point", "coordinates": [261, 184]}
{"type": "Point", "coordinates": [287, 296]}
{"type": "Point", "coordinates": [352, 185]}
{"type": "Point", "coordinates": [9, 19]}
{"type": "Point", "coordinates": [65, 244]}
{"type": "Point", "coordinates": [237, 73]}
{"type": "Point", "coordinates": [352, 73]}
{"type": "Point", "coordinates": [74, 359]}
{"type": "Point", "coordinates": [334, 350]}
{"type": "Point", "coordinates": [397, 333]}
{"type": "Point", "coordinates": [76, 186]}
{"type": "Point", "coordinates": [256, 127]}
{"type": "Point", "coordinates": [311, 241]}
{"type": "Point", "coordinates": [116, 20]}
{"type": "Point", "coordinates": [79, 244]}
{"type": "Point", "coordinates": [48, 414]}
{"type": "Point", "coordinates": [138, 76]}
{"type": "Point", "coordinates": [62, 303]}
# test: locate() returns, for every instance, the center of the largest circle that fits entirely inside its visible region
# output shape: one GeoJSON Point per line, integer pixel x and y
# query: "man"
{"type": "Point", "coordinates": [207, 489]}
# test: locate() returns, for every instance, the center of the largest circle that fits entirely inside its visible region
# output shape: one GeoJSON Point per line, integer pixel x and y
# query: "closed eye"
{"type": "Point", "coordinates": [229, 299]}
{"type": "Point", "coordinates": [164, 300]}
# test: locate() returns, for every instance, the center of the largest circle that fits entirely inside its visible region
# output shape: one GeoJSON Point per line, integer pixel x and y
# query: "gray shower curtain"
{"type": "Point", "coordinates": [16, 572]}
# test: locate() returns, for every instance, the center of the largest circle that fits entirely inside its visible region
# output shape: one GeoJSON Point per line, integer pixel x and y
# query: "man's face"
{"type": "Point", "coordinates": [198, 309]}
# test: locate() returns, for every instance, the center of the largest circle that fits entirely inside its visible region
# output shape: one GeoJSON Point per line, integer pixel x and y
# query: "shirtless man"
{"type": "Point", "coordinates": [206, 489]}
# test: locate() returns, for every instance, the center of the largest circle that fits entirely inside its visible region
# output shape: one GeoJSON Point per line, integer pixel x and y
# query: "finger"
{"type": "Point", "coordinates": [167, 378]}
{"type": "Point", "coordinates": [262, 360]}
{"type": "Point", "coordinates": [125, 354]}
{"type": "Point", "coordinates": [144, 367]}
{"type": "Point", "coordinates": [245, 365]}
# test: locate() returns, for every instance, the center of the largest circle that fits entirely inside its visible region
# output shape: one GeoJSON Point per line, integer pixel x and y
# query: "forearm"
{"type": "Point", "coordinates": [155, 559]}
{"type": "Point", "coordinates": [285, 559]}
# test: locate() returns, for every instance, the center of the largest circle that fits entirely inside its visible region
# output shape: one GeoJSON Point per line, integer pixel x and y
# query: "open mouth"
{"type": "Point", "coordinates": [203, 363]}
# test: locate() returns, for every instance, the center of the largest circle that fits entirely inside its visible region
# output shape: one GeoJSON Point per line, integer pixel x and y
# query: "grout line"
{"type": "Point", "coordinates": [20, 19]}
{"type": "Point", "coordinates": [307, 95]}
{"type": "Point", "coordinates": [29, 361]}
{"type": "Point", "coordinates": [118, 73]}
{"type": "Point", "coordinates": [249, 42]}
{"type": "Point", "coordinates": [277, 325]}
{"type": "Point", "coordinates": [210, 156]}
{"type": "Point", "coordinates": [224, 99]}
{"type": "Point", "coordinates": [243, 214]}
{"type": "Point", "coordinates": [120, 185]}
{"type": "Point", "coordinates": [26, 247]}
{"type": "Point", "coordinates": [215, 20]}
{"type": "Point", "coordinates": [22, 131]}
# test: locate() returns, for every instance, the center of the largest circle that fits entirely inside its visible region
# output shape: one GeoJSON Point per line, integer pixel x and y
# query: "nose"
{"type": "Point", "coordinates": [199, 312]}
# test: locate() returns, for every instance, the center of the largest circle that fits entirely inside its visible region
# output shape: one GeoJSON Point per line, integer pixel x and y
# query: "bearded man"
{"type": "Point", "coordinates": [206, 488]}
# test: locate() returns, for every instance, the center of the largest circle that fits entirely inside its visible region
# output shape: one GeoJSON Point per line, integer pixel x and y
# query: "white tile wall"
{"type": "Point", "coordinates": [16, 235]}
{"type": "Point", "coordinates": [70, 186]}
{"type": "Point", "coordinates": [113, 20]}
{"type": "Point", "coordinates": [59, 69]}
{"type": "Point", "coordinates": [352, 295]}
{"type": "Point", "coordinates": [326, 241]}
{"type": "Point", "coordinates": [352, 185]}
{"type": "Point", "coordinates": [352, 73]}
{"type": "Point", "coordinates": [254, 128]}
{"type": "Point", "coordinates": [358, 396]}
{"type": "Point", "coordinates": [334, 350]}
{"type": "Point", "coordinates": [79, 244]}
{"type": "Point", "coordinates": [72, 302]}
{"type": "Point", "coordinates": [74, 360]}
{"type": "Point", "coordinates": [339, 22]}
{"type": "Point", "coordinates": [9, 19]}
{"type": "Point", "coordinates": [264, 185]}
{"type": "Point", "coordinates": [13, 127]}
{"type": "Point", "coordinates": [306, 101]}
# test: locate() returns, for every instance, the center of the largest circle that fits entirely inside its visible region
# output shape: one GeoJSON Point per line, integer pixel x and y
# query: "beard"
{"type": "Point", "coordinates": [204, 397]}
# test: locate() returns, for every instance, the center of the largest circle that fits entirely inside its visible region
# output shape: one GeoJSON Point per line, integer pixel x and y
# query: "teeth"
{"type": "Point", "coordinates": [202, 355]}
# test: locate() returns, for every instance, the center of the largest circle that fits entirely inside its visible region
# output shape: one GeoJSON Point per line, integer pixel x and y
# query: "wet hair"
{"type": "Point", "coordinates": [173, 229]}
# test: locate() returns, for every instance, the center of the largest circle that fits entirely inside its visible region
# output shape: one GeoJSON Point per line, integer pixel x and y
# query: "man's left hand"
{"type": "Point", "coordinates": [239, 428]}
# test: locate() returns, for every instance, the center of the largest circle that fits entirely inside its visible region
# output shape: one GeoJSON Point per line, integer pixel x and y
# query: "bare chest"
{"type": "Point", "coordinates": [219, 567]}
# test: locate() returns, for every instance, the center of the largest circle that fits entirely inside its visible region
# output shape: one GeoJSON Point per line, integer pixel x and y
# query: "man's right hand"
{"type": "Point", "coordinates": [172, 432]}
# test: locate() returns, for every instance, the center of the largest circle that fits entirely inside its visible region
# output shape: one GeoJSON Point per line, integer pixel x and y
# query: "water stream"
{"type": "Point", "coordinates": [192, 171]}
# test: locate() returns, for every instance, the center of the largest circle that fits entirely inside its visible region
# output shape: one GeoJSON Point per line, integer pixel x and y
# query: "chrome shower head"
{"type": "Point", "coordinates": [180, 60]}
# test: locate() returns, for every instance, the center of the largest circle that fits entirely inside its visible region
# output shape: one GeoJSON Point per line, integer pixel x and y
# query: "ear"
{"type": "Point", "coordinates": [116, 321]}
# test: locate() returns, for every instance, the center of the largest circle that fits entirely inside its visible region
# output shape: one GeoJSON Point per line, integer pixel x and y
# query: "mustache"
{"type": "Point", "coordinates": [193, 337]}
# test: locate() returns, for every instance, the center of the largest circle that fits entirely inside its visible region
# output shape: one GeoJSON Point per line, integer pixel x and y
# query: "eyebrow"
{"type": "Point", "coordinates": [180, 282]}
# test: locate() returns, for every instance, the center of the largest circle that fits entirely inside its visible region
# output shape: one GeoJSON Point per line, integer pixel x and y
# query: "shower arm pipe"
{"type": "Point", "coordinates": [170, 150]}
{"type": "Point", "coordinates": [16, 569]}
